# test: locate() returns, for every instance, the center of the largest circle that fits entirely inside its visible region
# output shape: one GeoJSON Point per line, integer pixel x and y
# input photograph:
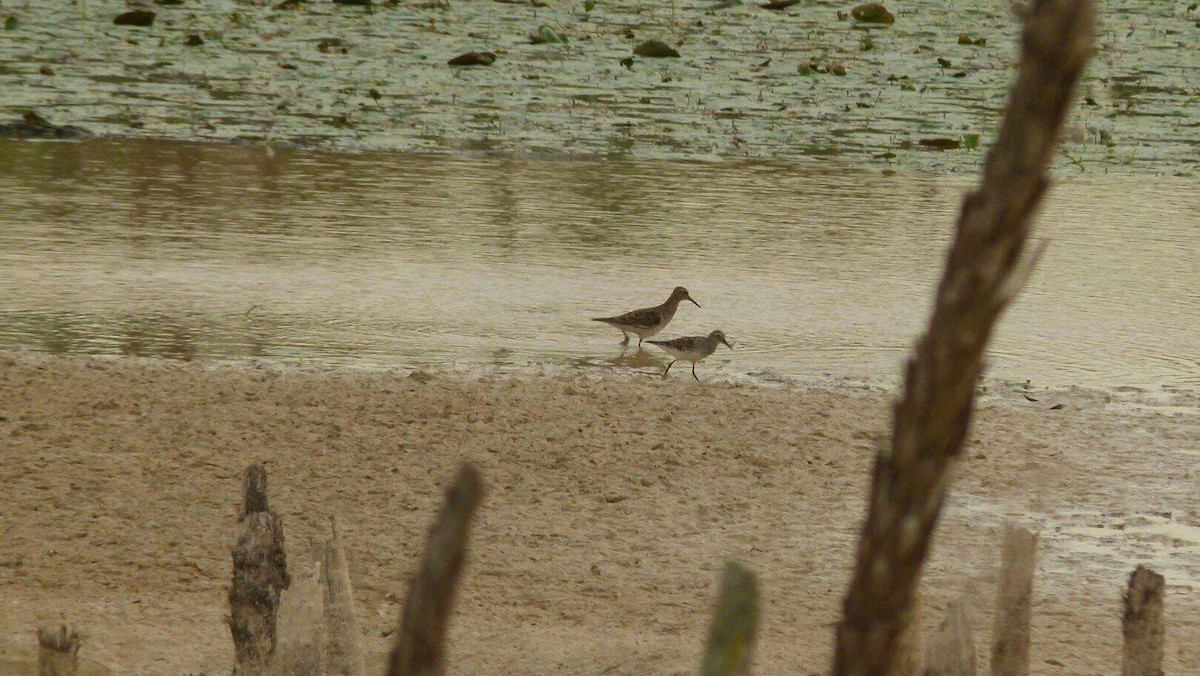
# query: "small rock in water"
{"type": "Point", "coordinates": [655, 49]}
{"type": "Point", "coordinates": [138, 17]}
{"type": "Point", "coordinates": [780, 5]}
{"type": "Point", "coordinates": [334, 45]}
{"type": "Point", "coordinates": [872, 12]}
{"type": "Point", "coordinates": [964, 39]}
{"type": "Point", "coordinates": [547, 35]}
{"type": "Point", "coordinates": [420, 376]}
{"type": "Point", "coordinates": [473, 59]}
{"type": "Point", "coordinates": [32, 125]}
{"type": "Point", "coordinates": [46, 70]}
{"type": "Point", "coordinates": [940, 143]}
{"type": "Point", "coordinates": [193, 40]}
{"type": "Point", "coordinates": [814, 66]}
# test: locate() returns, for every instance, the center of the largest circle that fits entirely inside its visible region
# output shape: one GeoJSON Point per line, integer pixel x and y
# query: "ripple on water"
{"type": "Point", "coordinates": [430, 260]}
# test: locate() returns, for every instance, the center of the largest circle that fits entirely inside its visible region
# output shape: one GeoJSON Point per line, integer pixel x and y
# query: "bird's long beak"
{"type": "Point", "coordinates": [693, 301]}
{"type": "Point", "coordinates": [726, 343]}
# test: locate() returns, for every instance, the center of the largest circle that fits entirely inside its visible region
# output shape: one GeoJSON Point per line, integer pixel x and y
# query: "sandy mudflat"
{"type": "Point", "coordinates": [613, 503]}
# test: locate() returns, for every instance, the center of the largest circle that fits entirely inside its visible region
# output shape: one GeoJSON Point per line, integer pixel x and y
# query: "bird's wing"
{"type": "Point", "coordinates": [644, 318]}
{"type": "Point", "coordinates": [685, 344]}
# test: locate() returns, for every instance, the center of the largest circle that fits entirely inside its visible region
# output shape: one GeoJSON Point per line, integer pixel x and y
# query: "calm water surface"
{"type": "Point", "coordinates": [227, 253]}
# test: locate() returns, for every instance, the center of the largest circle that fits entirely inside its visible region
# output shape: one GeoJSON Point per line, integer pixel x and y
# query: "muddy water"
{"type": "Point", "coordinates": [403, 260]}
{"type": "Point", "coordinates": [355, 78]}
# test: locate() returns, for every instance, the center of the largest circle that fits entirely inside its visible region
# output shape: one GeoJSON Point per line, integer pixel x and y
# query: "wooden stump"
{"type": "Point", "coordinates": [734, 625]}
{"type": "Point", "coordinates": [1010, 634]}
{"type": "Point", "coordinates": [420, 641]}
{"type": "Point", "coordinates": [58, 651]}
{"type": "Point", "coordinates": [300, 644]}
{"type": "Point", "coordinates": [950, 650]}
{"type": "Point", "coordinates": [259, 576]}
{"type": "Point", "coordinates": [1143, 624]}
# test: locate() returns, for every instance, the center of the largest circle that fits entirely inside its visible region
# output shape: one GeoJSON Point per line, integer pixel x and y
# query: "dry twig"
{"type": "Point", "coordinates": [931, 419]}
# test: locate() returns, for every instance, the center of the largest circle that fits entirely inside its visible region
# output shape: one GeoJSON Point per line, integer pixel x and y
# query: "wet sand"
{"type": "Point", "coordinates": [613, 503]}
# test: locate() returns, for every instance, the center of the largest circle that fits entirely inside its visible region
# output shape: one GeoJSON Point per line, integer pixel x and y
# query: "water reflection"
{"type": "Point", "coordinates": [189, 251]}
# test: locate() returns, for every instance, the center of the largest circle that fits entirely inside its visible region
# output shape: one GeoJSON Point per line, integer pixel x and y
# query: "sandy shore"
{"type": "Point", "coordinates": [613, 503]}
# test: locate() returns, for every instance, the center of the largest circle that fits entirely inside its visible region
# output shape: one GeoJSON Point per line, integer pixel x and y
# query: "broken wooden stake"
{"type": "Point", "coordinates": [259, 576]}
{"type": "Point", "coordinates": [58, 651]}
{"type": "Point", "coordinates": [734, 626]}
{"type": "Point", "coordinates": [1143, 624]}
{"type": "Point", "coordinates": [950, 650]}
{"type": "Point", "coordinates": [420, 641]}
{"type": "Point", "coordinates": [343, 647]}
{"type": "Point", "coordinates": [1014, 597]}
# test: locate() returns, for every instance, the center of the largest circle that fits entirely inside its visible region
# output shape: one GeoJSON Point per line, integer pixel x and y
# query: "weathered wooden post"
{"type": "Point", "coordinates": [419, 648]}
{"type": "Point", "coordinates": [950, 650]}
{"type": "Point", "coordinates": [58, 651]}
{"type": "Point", "coordinates": [259, 576]}
{"type": "Point", "coordinates": [734, 626]}
{"type": "Point", "coordinates": [300, 643]}
{"type": "Point", "coordinates": [343, 646]}
{"type": "Point", "coordinates": [1143, 624]}
{"type": "Point", "coordinates": [1014, 603]}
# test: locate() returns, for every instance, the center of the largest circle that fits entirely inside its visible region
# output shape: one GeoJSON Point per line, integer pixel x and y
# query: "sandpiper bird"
{"type": "Point", "coordinates": [691, 348]}
{"type": "Point", "coordinates": [648, 321]}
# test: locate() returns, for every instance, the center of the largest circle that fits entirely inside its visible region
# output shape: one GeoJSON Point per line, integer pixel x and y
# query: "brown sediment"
{"type": "Point", "coordinates": [613, 505]}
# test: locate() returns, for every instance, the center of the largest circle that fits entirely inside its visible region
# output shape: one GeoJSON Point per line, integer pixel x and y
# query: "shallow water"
{"type": "Point", "coordinates": [431, 261]}
{"type": "Point", "coordinates": [262, 73]}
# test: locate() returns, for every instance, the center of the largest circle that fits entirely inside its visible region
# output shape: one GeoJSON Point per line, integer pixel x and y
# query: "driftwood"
{"type": "Point", "coordinates": [419, 648]}
{"type": "Point", "coordinates": [343, 645]}
{"type": "Point", "coordinates": [985, 269]}
{"type": "Point", "coordinates": [950, 650]}
{"type": "Point", "coordinates": [735, 625]}
{"type": "Point", "coordinates": [1014, 604]}
{"type": "Point", "coordinates": [1143, 624]}
{"type": "Point", "coordinates": [259, 576]}
{"type": "Point", "coordinates": [58, 651]}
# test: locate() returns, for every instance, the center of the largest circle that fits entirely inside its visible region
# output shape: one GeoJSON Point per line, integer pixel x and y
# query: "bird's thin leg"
{"type": "Point", "coordinates": [639, 342]}
{"type": "Point", "coordinates": [694, 372]}
{"type": "Point", "coordinates": [668, 368]}
{"type": "Point", "coordinates": [626, 338]}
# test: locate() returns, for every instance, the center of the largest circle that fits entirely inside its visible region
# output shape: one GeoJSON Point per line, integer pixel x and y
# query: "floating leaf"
{"type": "Point", "coordinates": [970, 141]}
{"type": "Point", "coordinates": [10, 22]}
